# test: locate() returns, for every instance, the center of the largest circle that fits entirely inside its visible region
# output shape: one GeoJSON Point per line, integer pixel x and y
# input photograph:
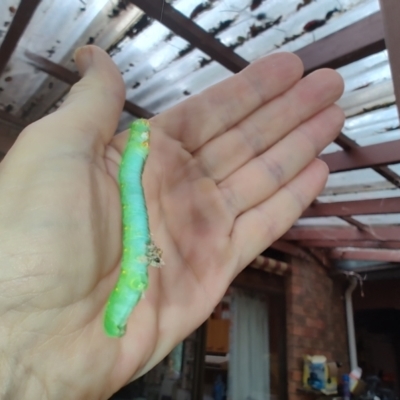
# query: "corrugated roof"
{"type": "Point", "coordinates": [161, 69]}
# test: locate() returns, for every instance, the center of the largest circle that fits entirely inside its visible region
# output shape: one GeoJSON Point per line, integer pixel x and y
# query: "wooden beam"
{"type": "Point", "coordinates": [347, 144]}
{"type": "Point", "coordinates": [354, 222]}
{"type": "Point", "coordinates": [320, 256]}
{"type": "Point", "coordinates": [191, 32]}
{"type": "Point", "coordinates": [390, 233]}
{"type": "Point", "coordinates": [12, 120]}
{"type": "Point", "coordinates": [305, 253]}
{"type": "Point", "coordinates": [6, 143]}
{"type": "Point", "coordinates": [21, 19]}
{"type": "Point", "coordinates": [69, 77]}
{"type": "Point", "coordinates": [351, 243]}
{"type": "Point", "coordinates": [391, 11]}
{"type": "Point", "coordinates": [365, 254]}
{"type": "Point", "coordinates": [350, 44]}
{"type": "Point", "coordinates": [388, 205]}
{"type": "Point", "coordinates": [254, 279]}
{"type": "Point", "coordinates": [291, 249]}
{"type": "Point", "coordinates": [363, 157]}
{"type": "Point", "coordinates": [55, 70]}
{"type": "Point", "coordinates": [389, 175]}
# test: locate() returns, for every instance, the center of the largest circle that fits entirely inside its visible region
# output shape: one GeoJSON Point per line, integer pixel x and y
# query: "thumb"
{"type": "Point", "coordinates": [88, 118]}
{"type": "Point", "coordinates": [95, 103]}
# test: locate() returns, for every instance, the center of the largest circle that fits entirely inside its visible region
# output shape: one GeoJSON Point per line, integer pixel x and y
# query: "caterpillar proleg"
{"type": "Point", "coordinates": [138, 251]}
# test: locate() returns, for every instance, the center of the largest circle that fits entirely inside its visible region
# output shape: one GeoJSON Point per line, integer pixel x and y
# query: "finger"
{"type": "Point", "coordinates": [264, 175]}
{"type": "Point", "coordinates": [267, 125]}
{"type": "Point", "coordinates": [223, 105]}
{"type": "Point", "coordinates": [260, 226]}
{"type": "Point", "coordinates": [96, 101]}
{"type": "Point", "coordinates": [91, 111]}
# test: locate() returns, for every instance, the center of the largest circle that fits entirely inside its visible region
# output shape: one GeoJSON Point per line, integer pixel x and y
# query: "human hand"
{"type": "Point", "coordinates": [229, 171]}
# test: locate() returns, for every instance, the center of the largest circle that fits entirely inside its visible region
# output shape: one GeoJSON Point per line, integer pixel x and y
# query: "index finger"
{"type": "Point", "coordinates": [212, 112]}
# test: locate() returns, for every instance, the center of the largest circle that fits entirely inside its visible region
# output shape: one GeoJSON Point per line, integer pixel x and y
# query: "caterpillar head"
{"type": "Point", "coordinates": [140, 131]}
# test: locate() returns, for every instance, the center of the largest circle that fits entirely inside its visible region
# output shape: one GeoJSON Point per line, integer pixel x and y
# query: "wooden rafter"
{"type": "Point", "coordinates": [373, 244]}
{"type": "Point", "coordinates": [355, 222]}
{"type": "Point", "coordinates": [358, 207]}
{"type": "Point", "coordinates": [69, 77]}
{"type": "Point", "coordinates": [5, 143]}
{"type": "Point", "coordinates": [12, 120]}
{"type": "Point", "coordinates": [347, 45]}
{"type": "Point", "coordinates": [386, 255]}
{"type": "Point", "coordinates": [193, 33]}
{"type": "Point", "coordinates": [23, 15]}
{"type": "Point", "coordinates": [390, 233]}
{"type": "Point", "coordinates": [255, 279]}
{"type": "Point", "coordinates": [350, 44]}
{"type": "Point", "coordinates": [347, 144]}
{"type": "Point", "coordinates": [364, 157]}
{"type": "Point", "coordinates": [350, 220]}
{"type": "Point", "coordinates": [290, 248]}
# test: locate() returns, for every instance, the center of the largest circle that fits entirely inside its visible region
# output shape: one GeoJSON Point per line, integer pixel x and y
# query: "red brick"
{"type": "Point", "coordinates": [297, 289]}
{"type": "Point", "coordinates": [296, 376]}
{"type": "Point", "coordinates": [298, 309]}
{"type": "Point", "coordinates": [298, 330]}
{"type": "Point", "coordinates": [316, 321]}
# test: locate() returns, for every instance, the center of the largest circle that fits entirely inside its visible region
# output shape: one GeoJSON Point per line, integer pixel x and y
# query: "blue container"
{"type": "Point", "coordinates": [346, 387]}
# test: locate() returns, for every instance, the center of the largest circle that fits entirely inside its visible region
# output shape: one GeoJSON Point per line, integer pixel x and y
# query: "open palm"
{"type": "Point", "coordinates": [229, 171]}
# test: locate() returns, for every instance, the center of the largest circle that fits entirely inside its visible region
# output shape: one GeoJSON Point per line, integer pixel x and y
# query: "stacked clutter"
{"type": "Point", "coordinates": [320, 375]}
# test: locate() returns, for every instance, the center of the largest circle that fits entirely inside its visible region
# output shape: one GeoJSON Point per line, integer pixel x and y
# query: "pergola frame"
{"type": "Point", "coordinates": [365, 37]}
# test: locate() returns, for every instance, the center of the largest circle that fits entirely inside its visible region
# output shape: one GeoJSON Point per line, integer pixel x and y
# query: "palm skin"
{"type": "Point", "coordinates": [229, 171]}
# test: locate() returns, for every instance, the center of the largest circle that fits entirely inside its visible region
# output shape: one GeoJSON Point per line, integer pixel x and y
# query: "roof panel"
{"type": "Point", "coordinates": [332, 148]}
{"type": "Point", "coordinates": [55, 31]}
{"type": "Point", "coordinates": [380, 219]}
{"type": "Point", "coordinates": [356, 181]}
{"type": "Point", "coordinates": [395, 168]}
{"type": "Point", "coordinates": [366, 195]}
{"type": "Point", "coordinates": [159, 59]}
{"type": "Point", "coordinates": [297, 27]}
{"type": "Point", "coordinates": [321, 221]}
{"type": "Point", "coordinates": [161, 69]}
{"type": "Point", "coordinates": [7, 12]}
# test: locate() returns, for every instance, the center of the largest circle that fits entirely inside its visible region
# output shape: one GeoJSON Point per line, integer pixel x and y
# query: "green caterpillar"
{"type": "Point", "coordinates": [138, 251]}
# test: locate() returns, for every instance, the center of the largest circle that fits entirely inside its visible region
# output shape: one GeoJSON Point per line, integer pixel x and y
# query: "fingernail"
{"type": "Point", "coordinates": [83, 57]}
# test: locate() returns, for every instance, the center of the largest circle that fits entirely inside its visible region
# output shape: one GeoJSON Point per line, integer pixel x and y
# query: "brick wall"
{"type": "Point", "coordinates": [316, 321]}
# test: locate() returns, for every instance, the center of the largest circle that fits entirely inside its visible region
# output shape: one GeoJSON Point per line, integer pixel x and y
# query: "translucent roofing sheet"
{"type": "Point", "coordinates": [321, 221]}
{"type": "Point", "coordinates": [395, 168]}
{"type": "Point", "coordinates": [355, 181]}
{"type": "Point", "coordinates": [368, 102]}
{"type": "Point", "coordinates": [7, 12]}
{"type": "Point", "coordinates": [55, 31]}
{"type": "Point", "coordinates": [379, 219]}
{"type": "Point", "coordinates": [366, 195]}
{"type": "Point", "coordinates": [161, 69]}
{"type": "Point", "coordinates": [165, 69]}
